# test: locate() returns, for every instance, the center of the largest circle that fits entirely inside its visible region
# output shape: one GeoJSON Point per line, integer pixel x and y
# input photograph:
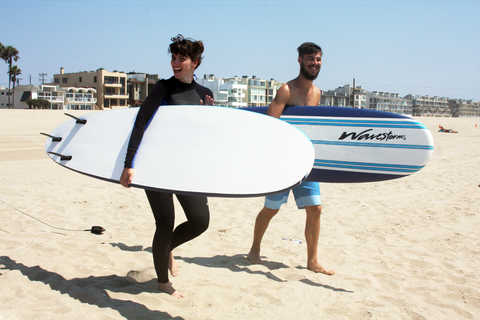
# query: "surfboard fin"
{"type": "Point", "coordinates": [54, 139]}
{"type": "Point", "coordinates": [78, 120]}
{"type": "Point", "coordinates": [62, 157]}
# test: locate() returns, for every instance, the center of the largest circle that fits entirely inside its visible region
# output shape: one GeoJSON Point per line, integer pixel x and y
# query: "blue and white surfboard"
{"type": "Point", "coordinates": [360, 145]}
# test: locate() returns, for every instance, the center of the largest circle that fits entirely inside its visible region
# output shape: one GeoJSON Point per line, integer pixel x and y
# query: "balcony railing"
{"type": "Point", "coordinates": [78, 100]}
{"type": "Point", "coordinates": [115, 96]}
{"type": "Point", "coordinates": [112, 85]}
{"type": "Point", "coordinates": [51, 98]}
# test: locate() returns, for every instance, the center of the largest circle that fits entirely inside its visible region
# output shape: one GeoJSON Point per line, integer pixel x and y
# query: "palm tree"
{"type": "Point", "coordinates": [9, 54]}
{"type": "Point", "coordinates": [13, 73]}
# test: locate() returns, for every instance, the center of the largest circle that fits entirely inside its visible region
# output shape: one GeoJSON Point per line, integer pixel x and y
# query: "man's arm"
{"type": "Point", "coordinates": [278, 104]}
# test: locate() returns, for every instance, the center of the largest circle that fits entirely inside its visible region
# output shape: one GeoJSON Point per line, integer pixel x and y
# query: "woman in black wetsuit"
{"type": "Point", "coordinates": [181, 88]}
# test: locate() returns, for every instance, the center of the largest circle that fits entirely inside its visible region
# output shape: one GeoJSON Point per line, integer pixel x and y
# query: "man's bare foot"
{"type": "Point", "coordinates": [168, 288]}
{"type": "Point", "coordinates": [254, 256]}
{"type": "Point", "coordinates": [172, 266]}
{"type": "Point", "coordinates": [315, 267]}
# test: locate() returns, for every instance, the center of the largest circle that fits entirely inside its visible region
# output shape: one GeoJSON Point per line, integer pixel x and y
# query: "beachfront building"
{"type": "Point", "coordinates": [220, 92]}
{"type": "Point", "coordinates": [111, 87]}
{"type": "Point", "coordinates": [272, 88]}
{"type": "Point", "coordinates": [80, 98]}
{"type": "Point", "coordinates": [340, 97]}
{"type": "Point", "coordinates": [389, 102]}
{"type": "Point", "coordinates": [18, 97]}
{"type": "Point", "coordinates": [237, 92]}
{"type": "Point", "coordinates": [241, 91]}
{"type": "Point", "coordinates": [3, 97]}
{"type": "Point", "coordinates": [70, 98]}
{"type": "Point", "coordinates": [359, 98]}
{"type": "Point", "coordinates": [345, 96]}
{"type": "Point", "coordinates": [256, 92]}
{"type": "Point", "coordinates": [139, 86]}
{"type": "Point", "coordinates": [57, 98]}
{"type": "Point", "coordinates": [429, 106]}
{"type": "Point", "coordinates": [464, 108]}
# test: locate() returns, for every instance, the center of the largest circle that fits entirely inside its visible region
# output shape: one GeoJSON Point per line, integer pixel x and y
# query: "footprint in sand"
{"type": "Point", "coordinates": [140, 275]}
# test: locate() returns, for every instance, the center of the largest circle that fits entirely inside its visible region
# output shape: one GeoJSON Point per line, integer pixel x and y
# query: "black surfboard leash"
{"type": "Point", "coordinates": [93, 229]}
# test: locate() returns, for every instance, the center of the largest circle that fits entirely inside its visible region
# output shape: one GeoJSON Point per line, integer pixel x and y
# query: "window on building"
{"type": "Point", "coordinates": [57, 80]}
{"type": "Point", "coordinates": [65, 80]}
{"type": "Point", "coordinates": [95, 79]}
{"type": "Point", "coordinates": [79, 79]}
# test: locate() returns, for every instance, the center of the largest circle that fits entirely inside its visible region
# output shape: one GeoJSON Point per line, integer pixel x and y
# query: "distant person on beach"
{"type": "Point", "coordinates": [301, 92]}
{"type": "Point", "coordinates": [442, 129]}
{"type": "Point", "coordinates": [181, 88]}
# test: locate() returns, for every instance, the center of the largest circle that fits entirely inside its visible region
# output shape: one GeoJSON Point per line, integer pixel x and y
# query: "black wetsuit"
{"type": "Point", "coordinates": [169, 92]}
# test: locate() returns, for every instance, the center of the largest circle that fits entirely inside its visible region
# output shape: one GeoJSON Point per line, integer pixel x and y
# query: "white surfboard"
{"type": "Point", "coordinates": [204, 150]}
{"type": "Point", "coordinates": [360, 145]}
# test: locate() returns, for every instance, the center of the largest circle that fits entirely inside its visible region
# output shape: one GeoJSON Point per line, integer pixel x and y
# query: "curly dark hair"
{"type": "Point", "coordinates": [187, 47]}
{"type": "Point", "coordinates": [308, 48]}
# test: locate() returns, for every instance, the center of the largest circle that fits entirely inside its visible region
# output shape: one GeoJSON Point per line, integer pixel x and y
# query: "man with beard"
{"type": "Point", "coordinates": [298, 92]}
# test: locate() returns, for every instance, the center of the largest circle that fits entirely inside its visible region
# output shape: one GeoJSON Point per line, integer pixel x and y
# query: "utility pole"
{"type": "Point", "coordinates": [42, 76]}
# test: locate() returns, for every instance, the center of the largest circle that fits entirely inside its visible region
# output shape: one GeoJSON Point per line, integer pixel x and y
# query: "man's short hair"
{"type": "Point", "coordinates": [308, 48]}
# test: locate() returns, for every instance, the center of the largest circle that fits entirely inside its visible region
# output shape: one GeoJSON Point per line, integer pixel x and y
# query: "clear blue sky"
{"type": "Point", "coordinates": [429, 47]}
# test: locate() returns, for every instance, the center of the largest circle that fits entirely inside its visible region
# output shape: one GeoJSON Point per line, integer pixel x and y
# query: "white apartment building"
{"type": "Point", "coordinates": [272, 88]}
{"type": "Point", "coordinates": [360, 98]}
{"type": "Point", "coordinates": [389, 102]}
{"type": "Point", "coordinates": [70, 98]}
{"type": "Point", "coordinates": [257, 92]}
{"type": "Point", "coordinates": [346, 96]}
{"type": "Point", "coordinates": [429, 106]}
{"type": "Point", "coordinates": [231, 92]}
{"type": "Point", "coordinates": [220, 95]}
{"type": "Point", "coordinates": [18, 97]}
{"type": "Point", "coordinates": [464, 108]}
{"type": "Point", "coordinates": [340, 97]}
{"type": "Point", "coordinates": [236, 93]}
{"type": "Point", "coordinates": [54, 95]}
{"type": "Point", "coordinates": [241, 91]}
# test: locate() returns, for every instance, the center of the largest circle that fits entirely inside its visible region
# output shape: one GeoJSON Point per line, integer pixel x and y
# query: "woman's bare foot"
{"type": "Point", "coordinates": [172, 266]}
{"type": "Point", "coordinates": [168, 288]}
{"type": "Point", "coordinates": [317, 268]}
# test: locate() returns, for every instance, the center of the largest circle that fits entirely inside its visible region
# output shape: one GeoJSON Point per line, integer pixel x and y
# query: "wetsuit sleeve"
{"type": "Point", "coordinates": [145, 114]}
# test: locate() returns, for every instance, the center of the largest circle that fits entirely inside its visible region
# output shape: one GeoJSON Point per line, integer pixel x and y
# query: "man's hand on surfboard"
{"type": "Point", "coordinates": [127, 176]}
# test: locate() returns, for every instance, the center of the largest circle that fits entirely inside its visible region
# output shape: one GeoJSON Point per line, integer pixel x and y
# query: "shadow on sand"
{"type": "Point", "coordinates": [93, 290]}
{"type": "Point", "coordinates": [236, 263]}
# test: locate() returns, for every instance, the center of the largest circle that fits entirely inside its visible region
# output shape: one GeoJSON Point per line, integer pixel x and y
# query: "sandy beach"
{"type": "Point", "coordinates": [401, 249]}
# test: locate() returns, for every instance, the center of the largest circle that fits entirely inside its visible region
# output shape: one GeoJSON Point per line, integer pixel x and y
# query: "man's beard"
{"type": "Point", "coordinates": [308, 75]}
